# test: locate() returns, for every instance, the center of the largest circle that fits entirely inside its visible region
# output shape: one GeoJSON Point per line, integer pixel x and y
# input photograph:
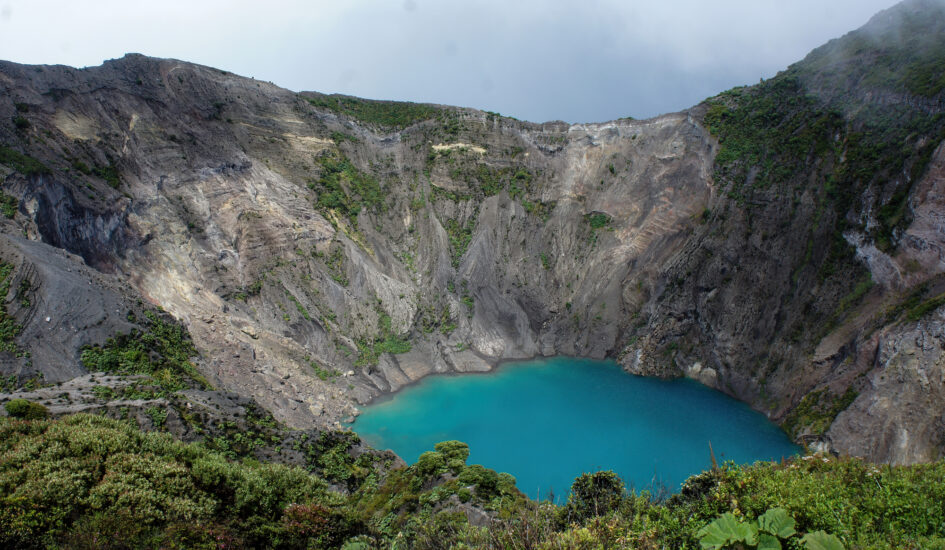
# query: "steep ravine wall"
{"type": "Point", "coordinates": [475, 238]}
{"type": "Point", "coordinates": [211, 205]}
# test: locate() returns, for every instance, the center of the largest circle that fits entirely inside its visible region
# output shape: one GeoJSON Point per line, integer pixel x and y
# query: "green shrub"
{"type": "Point", "coordinates": [109, 174]}
{"type": "Point", "coordinates": [81, 479]}
{"type": "Point", "coordinates": [298, 306]}
{"type": "Point", "coordinates": [485, 480]}
{"type": "Point", "coordinates": [162, 351]}
{"type": "Point", "coordinates": [594, 495]}
{"type": "Point", "coordinates": [158, 415]}
{"type": "Point", "coordinates": [597, 220]}
{"type": "Point", "coordinates": [27, 410]}
{"type": "Point", "coordinates": [430, 463]}
{"type": "Point", "coordinates": [8, 205]}
{"type": "Point", "coordinates": [817, 411]}
{"type": "Point", "coordinates": [344, 188]}
{"type": "Point", "coordinates": [455, 454]}
{"type": "Point", "coordinates": [460, 237]}
{"type": "Point", "coordinates": [25, 164]}
{"type": "Point", "coordinates": [923, 308]}
{"type": "Point", "coordinates": [72, 479]}
{"type": "Point", "coordinates": [341, 137]}
{"type": "Point", "coordinates": [387, 341]}
{"type": "Point", "coordinates": [817, 121]}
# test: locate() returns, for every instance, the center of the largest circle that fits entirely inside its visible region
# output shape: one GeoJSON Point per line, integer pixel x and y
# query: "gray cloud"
{"type": "Point", "coordinates": [575, 61]}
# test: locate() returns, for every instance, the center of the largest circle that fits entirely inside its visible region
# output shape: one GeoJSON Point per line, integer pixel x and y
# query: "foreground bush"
{"type": "Point", "coordinates": [72, 479]}
{"type": "Point", "coordinates": [89, 482]}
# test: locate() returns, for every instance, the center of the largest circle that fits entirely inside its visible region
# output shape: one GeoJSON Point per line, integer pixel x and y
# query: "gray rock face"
{"type": "Point", "coordinates": [62, 305]}
{"type": "Point", "coordinates": [487, 239]}
{"type": "Point", "coordinates": [900, 412]}
{"type": "Point", "coordinates": [214, 201]}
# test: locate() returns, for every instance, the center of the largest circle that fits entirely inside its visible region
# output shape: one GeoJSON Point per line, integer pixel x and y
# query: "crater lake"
{"type": "Point", "coordinates": [547, 421]}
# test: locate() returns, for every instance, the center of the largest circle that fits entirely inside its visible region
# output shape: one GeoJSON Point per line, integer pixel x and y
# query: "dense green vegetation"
{"type": "Point", "coordinates": [816, 412]}
{"type": "Point", "coordinates": [920, 310]}
{"type": "Point", "coordinates": [914, 305]}
{"type": "Point", "coordinates": [108, 173]}
{"type": "Point", "coordinates": [394, 115]}
{"type": "Point", "coordinates": [162, 351]}
{"type": "Point", "coordinates": [839, 139]}
{"type": "Point", "coordinates": [772, 129]}
{"type": "Point", "coordinates": [89, 482]}
{"type": "Point", "coordinates": [770, 531]}
{"type": "Point", "coordinates": [341, 137]}
{"type": "Point", "coordinates": [387, 341]}
{"type": "Point", "coordinates": [344, 188]}
{"type": "Point", "coordinates": [484, 180]}
{"type": "Point", "coordinates": [597, 220]}
{"type": "Point", "coordinates": [905, 56]}
{"type": "Point", "coordinates": [460, 236]}
{"type": "Point", "coordinates": [773, 133]}
{"type": "Point", "coordinates": [25, 164]}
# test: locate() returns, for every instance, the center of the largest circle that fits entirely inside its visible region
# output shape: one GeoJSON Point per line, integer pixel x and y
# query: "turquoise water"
{"type": "Point", "coordinates": [548, 421]}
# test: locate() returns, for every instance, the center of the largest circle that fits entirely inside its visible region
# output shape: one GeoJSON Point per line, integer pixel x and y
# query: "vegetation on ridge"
{"type": "Point", "coordinates": [395, 115]}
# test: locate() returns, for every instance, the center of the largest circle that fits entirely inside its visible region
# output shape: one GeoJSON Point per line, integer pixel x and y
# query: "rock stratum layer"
{"type": "Point", "coordinates": [782, 243]}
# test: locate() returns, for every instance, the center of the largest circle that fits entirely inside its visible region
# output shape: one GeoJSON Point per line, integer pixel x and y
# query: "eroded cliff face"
{"type": "Point", "coordinates": [898, 414]}
{"type": "Point", "coordinates": [493, 239]}
{"type": "Point", "coordinates": [818, 273]}
{"type": "Point", "coordinates": [324, 250]}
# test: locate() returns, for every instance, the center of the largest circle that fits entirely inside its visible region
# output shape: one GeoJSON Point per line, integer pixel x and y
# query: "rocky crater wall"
{"type": "Point", "coordinates": [320, 258]}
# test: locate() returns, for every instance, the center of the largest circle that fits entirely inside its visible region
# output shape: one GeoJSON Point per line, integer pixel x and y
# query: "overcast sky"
{"type": "Point", "coordinates": [574, 60]}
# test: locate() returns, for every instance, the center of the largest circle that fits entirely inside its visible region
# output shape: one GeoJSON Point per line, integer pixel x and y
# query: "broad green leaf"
{"type": "Point", "coordinates": [747, 533]}
{"type": "Point", "coordinates": [768, 542]}
{"type": "Point", "coordinates": [725, 529]}
{"type": "Point", "coordinates": [778, 522]}
{"type": "Point", "coordinates": [820, 540]}
{"type": "Point", "coordinates": [718, 533]}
